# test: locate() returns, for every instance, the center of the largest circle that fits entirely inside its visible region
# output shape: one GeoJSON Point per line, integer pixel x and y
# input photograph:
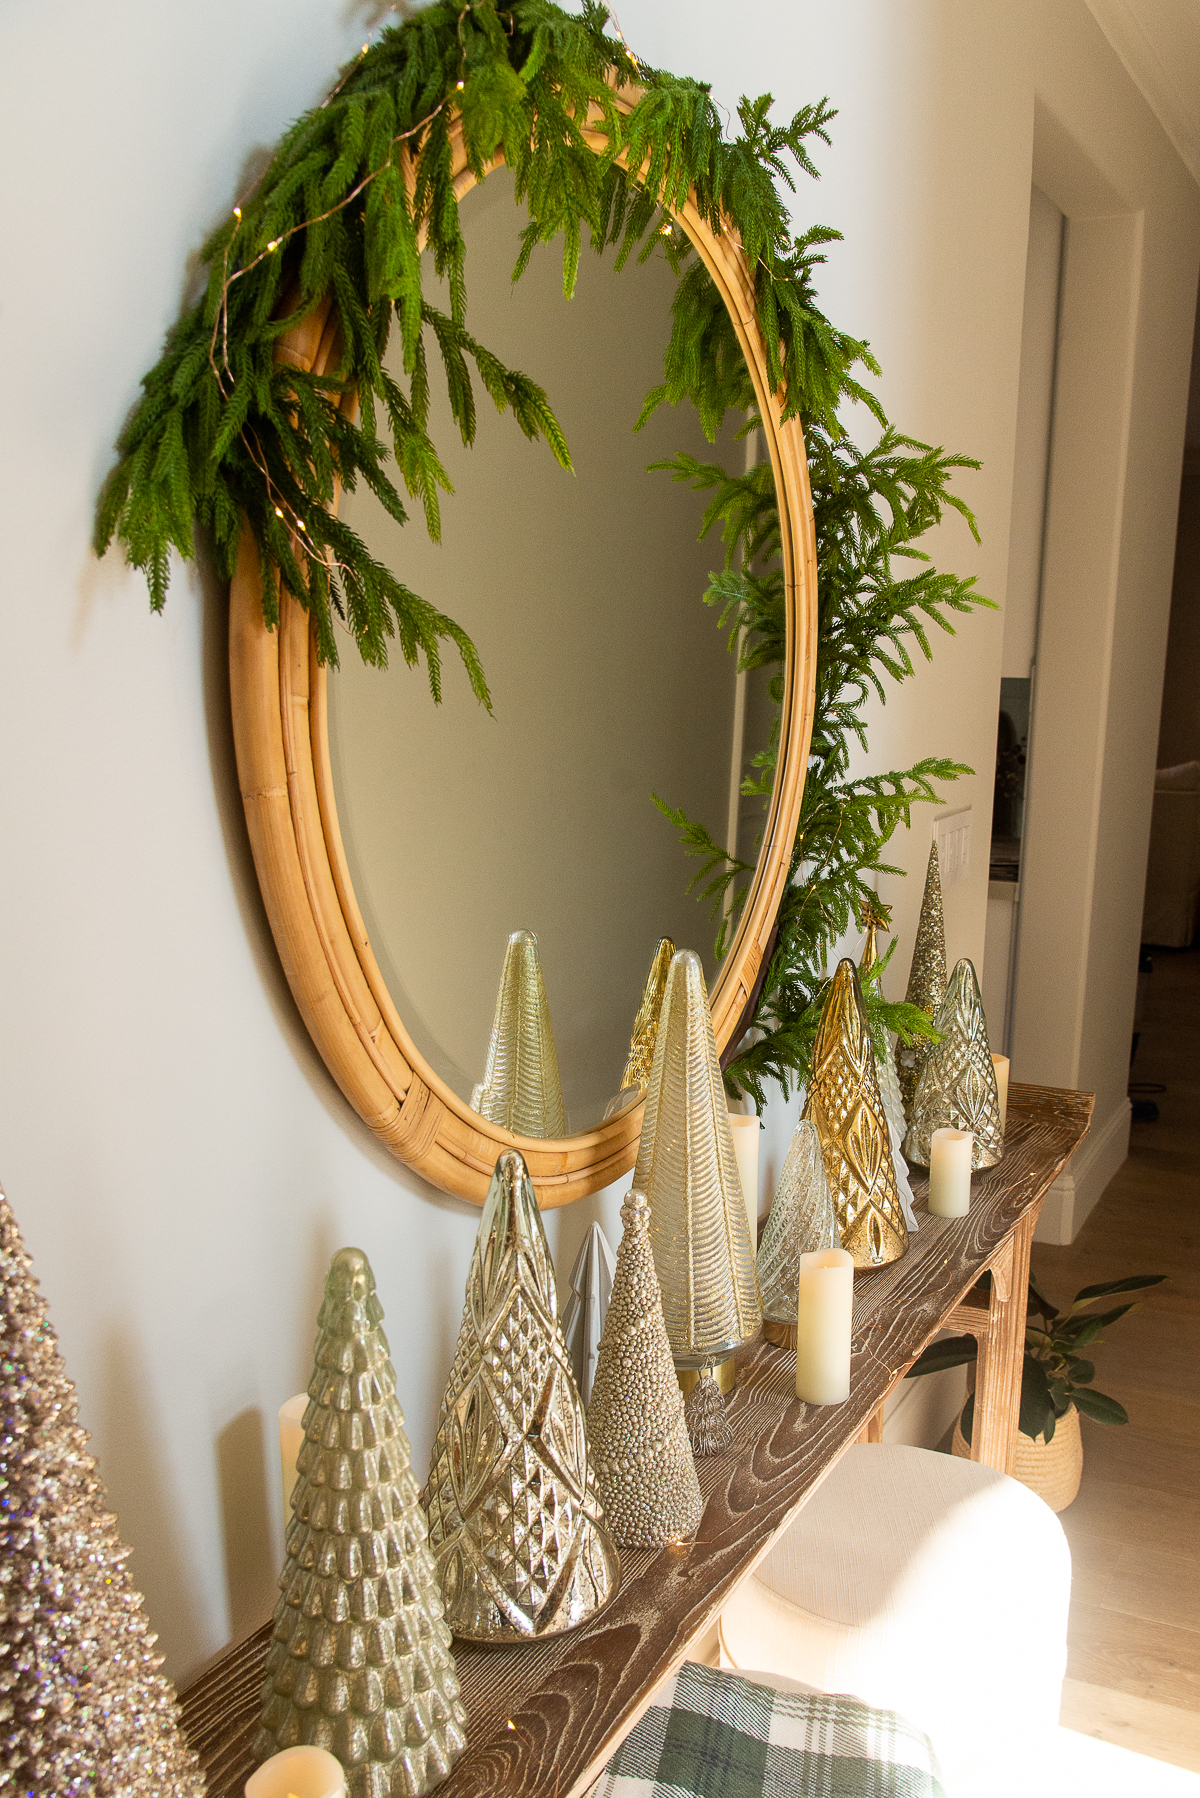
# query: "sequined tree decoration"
{"type": "Point", "coordinates": [644, 1466]}
{"type": "Point", "coordinates": [84, 1712]}
{"type": "Point", "coordinates": [359, 1661]}
{"type": "Point", "coordinates": [957, 1088]}
{"type": "Point", "coordinates": [520, 1089]}
{"type": "Point", "coordinates": [844, 1104]}
{"type": "Point", "coordinates": [926, 979]}
{"type": "Point", "coordinates": [515, 1520]}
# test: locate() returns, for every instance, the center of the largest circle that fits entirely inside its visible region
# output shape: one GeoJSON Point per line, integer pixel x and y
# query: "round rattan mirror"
{"type": "Point", "coordinates": [281, 725]}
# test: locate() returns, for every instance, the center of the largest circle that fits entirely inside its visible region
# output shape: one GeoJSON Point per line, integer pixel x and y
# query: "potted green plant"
{"type": "Point", "coordinates": [1056, 1384]}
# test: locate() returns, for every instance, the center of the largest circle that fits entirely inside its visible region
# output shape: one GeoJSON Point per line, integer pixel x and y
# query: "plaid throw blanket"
{"type": "Point", "coordinates": [710, 1734]}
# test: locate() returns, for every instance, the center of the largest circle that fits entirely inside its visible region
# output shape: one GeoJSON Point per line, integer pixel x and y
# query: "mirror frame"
{"type": "Point", "coordinates": [278, 696]}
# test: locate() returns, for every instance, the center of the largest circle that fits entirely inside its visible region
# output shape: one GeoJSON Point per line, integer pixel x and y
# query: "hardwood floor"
{"type": "Point", "coordinates": [1134, 1647]}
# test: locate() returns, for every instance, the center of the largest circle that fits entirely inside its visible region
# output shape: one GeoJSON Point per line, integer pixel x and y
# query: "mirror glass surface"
{"type": "Point", "coordinates": [611, 681]}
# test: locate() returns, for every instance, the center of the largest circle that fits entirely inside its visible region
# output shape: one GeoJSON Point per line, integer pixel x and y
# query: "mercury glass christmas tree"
{"type": "Point", "coordinates": [359, 1661]}
{"type": "Point", "coordinates": [84, 1712]}
{"type": "Point", "coordinates": [644, 1466]}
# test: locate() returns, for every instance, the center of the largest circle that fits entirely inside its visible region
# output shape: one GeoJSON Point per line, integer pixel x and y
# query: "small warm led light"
{"type": "Point", "coordinates": [279, 512]}
{"type": "Point", "coordinates": [274, 244]}
{"type": "Point", "coordinates": [237, 212]}
{"type": "Point", "coordinates": [460, 85]}
{"type": "Point", "coordinates": [302, 524]}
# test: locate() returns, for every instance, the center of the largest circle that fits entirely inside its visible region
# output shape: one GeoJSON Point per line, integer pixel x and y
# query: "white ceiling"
{"type": "Point", "coordinates": [1159, 43]}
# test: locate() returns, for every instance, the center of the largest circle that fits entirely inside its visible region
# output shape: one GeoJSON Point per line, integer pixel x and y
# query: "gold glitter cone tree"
{"type": "Point", "coordinates": [644, 1466]}
{"type": "Point", "coordinates": [845, 1105]}
{"type": "Point", "coordinates": [801, 1219]}
{"type": "Point", "coordinates": [926, 979]}
{"type": "Point", "coordinates": [957, 1089]}
{"type": "Point", "coordinates": [687, 1169]}
{"type": "Point", "coordinates": [515, 1519]}
{"type": "Point", "coordinates": [85, 1712]}
{"type": "Point", "coordinates": [520, 1089]}
{"type": "Point", "coordinates": [645, 1025]}
{"type": "Point", "coordinates": [359, 1661]}
{"type": "Point", "coordinates": [874, 919]}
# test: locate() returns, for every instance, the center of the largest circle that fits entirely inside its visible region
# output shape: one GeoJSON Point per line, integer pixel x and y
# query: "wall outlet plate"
{"type": "Point", "coordinates": [954, 846]}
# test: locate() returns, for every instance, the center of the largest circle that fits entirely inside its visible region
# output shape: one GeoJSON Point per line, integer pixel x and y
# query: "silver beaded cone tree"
{"type": "Point", "coordinates": [84, 1712]}
{"type": "Point", "coordinates": [800, 1220]}
{"type": "Point", "coordinates": [957, 1089]}
{"type": "Point", "coordinates": [687, 1169]}
{"type": "Point", "coordinates": [644, 1466]}
{"type": "Point", "coordinates": [844, 1104]}
{"type": "Point", "coordinates": [359, 1661]}
{"type": "Point", "coordinates": [520, 1089]}
{"type": "Point", "coordinates": [515, 1519]}
{"type": "Point", "coordinates": [926, 979]}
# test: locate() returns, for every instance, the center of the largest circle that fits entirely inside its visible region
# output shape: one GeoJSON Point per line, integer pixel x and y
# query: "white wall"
{"type": "Point", "coordinates": [180, 1162]}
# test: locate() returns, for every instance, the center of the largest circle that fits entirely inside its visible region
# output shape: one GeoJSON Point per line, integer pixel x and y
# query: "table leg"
{"type": "Point", "coordinates": [1002, 1353]}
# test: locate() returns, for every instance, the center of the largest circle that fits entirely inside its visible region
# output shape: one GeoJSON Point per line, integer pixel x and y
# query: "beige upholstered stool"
{"type": "Point", "coordinates": [927, 1585]}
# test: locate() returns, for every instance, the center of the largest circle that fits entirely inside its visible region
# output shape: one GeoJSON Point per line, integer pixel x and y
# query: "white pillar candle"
{"type": "Point", "coordinates": [291, 1435]}
{"type": "Point", "coordinates": [298, 1773]}
{"type": "Point", "coordinates": [745, 1146]}
{"type": "Point", "coordinates": [1000, 1063]}
{"type": "Point", "coordinates": [950, 1172]}
{"type": "Point", "coordinates": [824, 1310]}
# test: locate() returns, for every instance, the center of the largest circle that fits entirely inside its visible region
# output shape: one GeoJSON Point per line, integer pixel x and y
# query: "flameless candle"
{"type": "Point", "coordinates": [950, 1172]}
{"type": "Point", "coordinates": [291, 1435]}
{"type": "Point", "coordinates": [745, 1147]}
{"type": "Point", "coordinates": [1000, 1063]}
{"type": "Point", "coordinates": [825, 1304]}
{"type": "Point", "coordinates": [298, 1773]}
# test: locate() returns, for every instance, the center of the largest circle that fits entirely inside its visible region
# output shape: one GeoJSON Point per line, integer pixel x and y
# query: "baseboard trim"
{"type": "Point", "coordinates": [1076, 1192]}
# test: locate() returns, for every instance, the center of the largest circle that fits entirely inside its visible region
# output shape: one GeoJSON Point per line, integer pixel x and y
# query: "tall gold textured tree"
{"type": "Point", "coordinates": [83, 1707]}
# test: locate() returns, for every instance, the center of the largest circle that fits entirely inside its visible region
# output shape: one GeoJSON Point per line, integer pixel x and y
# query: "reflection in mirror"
{"type": "Point", "coordinates": [611, 681]}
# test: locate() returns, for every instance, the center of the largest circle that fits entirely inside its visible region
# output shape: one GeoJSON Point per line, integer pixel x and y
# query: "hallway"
{"type": "Point", "coordinates": [1134, 1658]}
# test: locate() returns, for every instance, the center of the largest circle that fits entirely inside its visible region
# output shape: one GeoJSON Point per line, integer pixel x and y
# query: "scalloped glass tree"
{"type": "Point", "coordinates": [359, 1661]}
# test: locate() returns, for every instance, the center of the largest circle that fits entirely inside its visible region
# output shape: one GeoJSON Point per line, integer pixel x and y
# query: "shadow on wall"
{"type": "Point", "coordinates": [144, 1513]}
{"type": "Point", "coordinates": [242, 1472]}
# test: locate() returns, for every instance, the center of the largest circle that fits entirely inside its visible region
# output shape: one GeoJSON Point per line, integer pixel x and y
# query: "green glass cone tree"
{"type": "Point", "coordinates": [360, 1661]}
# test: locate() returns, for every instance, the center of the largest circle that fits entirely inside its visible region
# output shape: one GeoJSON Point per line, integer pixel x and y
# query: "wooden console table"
{"type": "Point", "coordinates": [544, 1719]}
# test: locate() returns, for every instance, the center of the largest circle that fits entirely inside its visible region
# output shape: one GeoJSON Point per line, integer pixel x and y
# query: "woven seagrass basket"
{"type": "Point", "coordinates": [1051, 1469]}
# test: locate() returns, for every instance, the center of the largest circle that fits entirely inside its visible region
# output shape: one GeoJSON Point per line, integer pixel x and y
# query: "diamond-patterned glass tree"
{"type": "Point", "coordinates": [845, 1105]}
{"type": "Point", "coordinates": [84, 1712]}
{"type": "Point", "coordinates": [359, 1661]}
{"type": "Point", "coordinates": [515, 1520]}
{"type": "Point", "coordinates": [957, 1088]}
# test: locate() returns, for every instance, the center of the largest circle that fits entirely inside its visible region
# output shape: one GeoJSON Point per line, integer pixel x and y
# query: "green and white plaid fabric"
{"type": "Point", "coordinates": [710, 1734]}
